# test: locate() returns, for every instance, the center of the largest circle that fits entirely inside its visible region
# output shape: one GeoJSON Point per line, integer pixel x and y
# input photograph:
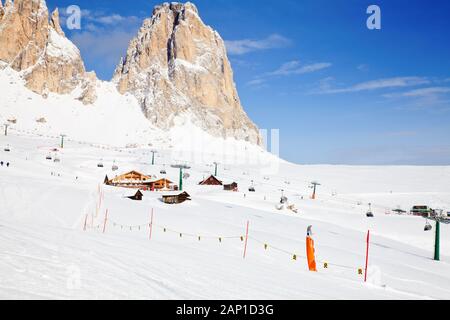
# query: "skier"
{"type": "Point", "coordinates": [7, 165]}
{"type": "Point", "coordinates": [310, 250]}
{"type": "Point", "coordinates": [1, 163]}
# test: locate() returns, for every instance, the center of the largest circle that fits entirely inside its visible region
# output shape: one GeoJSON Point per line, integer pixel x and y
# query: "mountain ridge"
{"type": "Point", "coordinates": [176, 67]}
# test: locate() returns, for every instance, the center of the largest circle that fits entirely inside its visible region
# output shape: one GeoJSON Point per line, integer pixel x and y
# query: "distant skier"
{"type": "Point", "coordinates": [1, 163]}
{"type": "Point", "coordinates": [7, 165]}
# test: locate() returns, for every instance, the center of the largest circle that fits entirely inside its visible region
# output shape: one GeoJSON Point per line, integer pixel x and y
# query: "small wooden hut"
{"type": "Point", "coordinates": [137, 197]}
{"type": "Point", "coordinates": [176, 199]}
{"type": "Point", "coordinates": [231, 187]}
{"type": "Point", "coordinates": [211, 181]}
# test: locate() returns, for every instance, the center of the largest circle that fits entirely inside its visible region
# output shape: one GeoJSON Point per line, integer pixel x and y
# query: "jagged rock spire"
{"type": "Point", "coordinates": [38, 48]}
{"type": "Point", "coordinates": [176, 65]}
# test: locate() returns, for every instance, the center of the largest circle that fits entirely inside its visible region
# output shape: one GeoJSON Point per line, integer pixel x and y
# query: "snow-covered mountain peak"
{"type": "Point", "coordinates": [32, 44]}
{"type": "Point", "coordinates": [176, 65]}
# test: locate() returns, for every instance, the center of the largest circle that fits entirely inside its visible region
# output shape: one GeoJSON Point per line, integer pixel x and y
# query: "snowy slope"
{"type": "Point", "coordinates": [46, 254]}
{"type": "Point", "coordinates": [114, 120]}
{"type": "Point", "coordinates": [44, 205]}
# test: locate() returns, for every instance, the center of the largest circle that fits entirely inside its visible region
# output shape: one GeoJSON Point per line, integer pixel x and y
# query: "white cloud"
{"type": "Point", "coordinates": [256, 83]}
{"type": "Point", "coordinates": [387, 83]}
{"type": "Point", "coordinates": [294, 67]}
{"type": "Point", "coordinates": [100, 18]}
{"type": "Point", "coordinates": [422, 92]}
{"type": "Point", "coordinates": [104, 47]}
{"type": "Point", "coordinates": [286, 69]}
{"type": "Point", "coordinates": [239, 47]}
{"type": "Point", "coordinates": [363, 67]}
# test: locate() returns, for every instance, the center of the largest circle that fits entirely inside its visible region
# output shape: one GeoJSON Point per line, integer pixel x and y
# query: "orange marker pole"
{"type": "Point", "coordinates": [106, 219]}
{"type": "Point", "coordinates": [246, 240]}
{"type": "Point", "coordinates": [310, 252]}
{"type": "Point", "coordinates": [367, 254]}
{"type": "Point", "coordinates": [151, 226]}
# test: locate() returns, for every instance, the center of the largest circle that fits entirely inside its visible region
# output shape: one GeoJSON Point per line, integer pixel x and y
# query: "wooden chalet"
{"type": "Point", "coordinates": [161, 184]}
{"type": "Point", "coordinates": [231, 187]}
{"type": "Point", "coordinates": [132, 179]}
{"type": "Point", "coordinates": [176, 199]}
{"type": "Point", "coordinates": [211, 181]}
{"type": "Point", "coordinates": [137, 197]}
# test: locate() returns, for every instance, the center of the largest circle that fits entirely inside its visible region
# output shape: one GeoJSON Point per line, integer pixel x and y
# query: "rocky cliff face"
{"type": "Point", "coordinates": [178, 66]}
{"type": "Point", "coordinates": [37, 47]}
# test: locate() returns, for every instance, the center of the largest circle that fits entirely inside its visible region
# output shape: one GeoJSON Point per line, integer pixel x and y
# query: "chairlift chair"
{"type": "Point", "coordinates": [252, 188]}
{"type": "Point", "coordinates": [100, 165]}
{"type": "Point", "coordinates": [369, 214]}
{"type": "Point", "coordinates": [7, 149]}
{"type": "Point", "coordinates": [428, 226]}
{"type": "Point", "coordinates": [115, 167]}
{"type": "Point", "coordinates": [48, 157]}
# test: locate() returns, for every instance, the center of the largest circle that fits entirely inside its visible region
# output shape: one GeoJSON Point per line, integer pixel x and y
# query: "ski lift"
{"type": "Point", "coordinates": [7, 149]}
{"type": "Point", "coordinates": [100, 165]}
{"type": "Point", "coordinates": [163, 172]}
{"type": "Point", "coordinates": [369, 213]}
{"type": "Point", "coordinates": [48, 157]}
{"type": "Point", "coordinates": [427, 227]}
{"type": "Point", "coordinates": [56, 160]}
{"type": "Point", "coordinates": [115, 167]}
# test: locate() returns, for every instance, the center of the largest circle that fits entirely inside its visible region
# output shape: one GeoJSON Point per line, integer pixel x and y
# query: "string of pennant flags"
{"type": "Point", "coordinates": [181, 234]}
{"type": "Point", "coordinates": [150, 225]}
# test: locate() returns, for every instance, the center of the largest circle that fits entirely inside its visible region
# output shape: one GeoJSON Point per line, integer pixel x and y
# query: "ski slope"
{"type": "Point", "coordinates": [45, 254]}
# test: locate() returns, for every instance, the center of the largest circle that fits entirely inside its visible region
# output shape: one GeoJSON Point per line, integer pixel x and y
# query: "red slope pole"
{"type": "Point", "coordinates": [151, 226]}
{"type": "Point", "coordinates": [246, 240]}
{"type": "Point", "coordinates": [367, 255]}
{"type": "Point", "coordinates": [106, 219]}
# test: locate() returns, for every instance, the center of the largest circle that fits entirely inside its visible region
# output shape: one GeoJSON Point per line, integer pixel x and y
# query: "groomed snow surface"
{"type": "Point", "coordinates": [46, 254]}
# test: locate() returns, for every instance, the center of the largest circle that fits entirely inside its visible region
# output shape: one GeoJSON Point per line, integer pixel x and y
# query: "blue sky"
{"type": "Point", "coordinates": [339, 92]}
